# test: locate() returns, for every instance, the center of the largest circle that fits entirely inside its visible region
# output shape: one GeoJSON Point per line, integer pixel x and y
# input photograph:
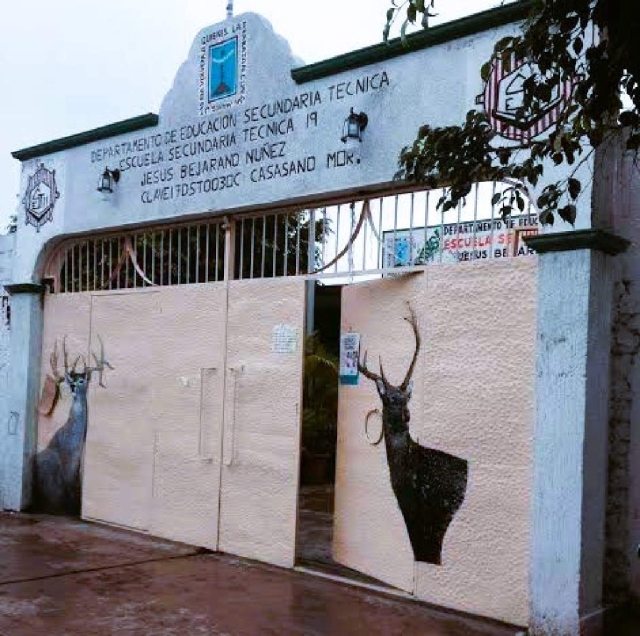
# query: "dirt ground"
{"type": "Point", "coordinates": [60, 576]}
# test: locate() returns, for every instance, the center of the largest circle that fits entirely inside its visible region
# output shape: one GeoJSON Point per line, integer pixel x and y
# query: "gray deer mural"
{"type": "Point", "coordinates": [429, 485]}
{"type": "Point", "coordinates": [58, 468]}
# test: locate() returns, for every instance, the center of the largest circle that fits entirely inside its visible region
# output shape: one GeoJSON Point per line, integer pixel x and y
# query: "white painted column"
{"type": "Point", "coordinates": [571, 431]}
{"type": "Point", "coordinates": [18, 433]}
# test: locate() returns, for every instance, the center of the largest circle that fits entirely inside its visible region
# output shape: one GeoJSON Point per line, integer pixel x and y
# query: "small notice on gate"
{"type": "Point", "coordinates": [349, 356]}
{"type": "Point", "coordinates": [284, 339]}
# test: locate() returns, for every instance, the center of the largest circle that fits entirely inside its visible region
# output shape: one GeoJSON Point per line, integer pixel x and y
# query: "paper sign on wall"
{"type": "Point", "coordinates": [349, 355]}
{"type": "Point", "coordinates": [285, 339]}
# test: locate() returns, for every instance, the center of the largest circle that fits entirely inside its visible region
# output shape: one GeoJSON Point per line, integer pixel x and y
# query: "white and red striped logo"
{"type": "Point", "coordinates": [504, 94]}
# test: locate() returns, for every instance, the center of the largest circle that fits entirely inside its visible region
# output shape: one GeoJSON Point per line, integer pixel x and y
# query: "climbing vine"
{"type": "Point", "coordinates": [590, 44]}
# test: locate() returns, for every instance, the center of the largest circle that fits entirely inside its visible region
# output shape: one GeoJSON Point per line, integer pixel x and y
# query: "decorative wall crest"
{"type": "Point", "coordinates": [40, 197]}
{"type": "Point", "coordinates": [503, 96]}
{"type": "Point", "coordinates": [223, 68]}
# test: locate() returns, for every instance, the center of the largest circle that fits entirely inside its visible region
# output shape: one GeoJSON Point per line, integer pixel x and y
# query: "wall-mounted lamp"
{"type": "Point", "coordinates": [354, 126]}
{"type": "Point", "coordinates": [107, 180]}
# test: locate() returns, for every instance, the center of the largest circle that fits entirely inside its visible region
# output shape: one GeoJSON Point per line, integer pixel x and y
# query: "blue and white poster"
{"type": "Point", "coordinates": [349, 357]}
{"type": "Point", "coordinates": [223, 70]}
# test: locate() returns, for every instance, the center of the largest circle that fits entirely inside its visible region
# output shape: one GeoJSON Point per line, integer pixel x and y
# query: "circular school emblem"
{"type": "Point", "coordinates": [40, 197]}
{"type": "Point", "coordinates": [503, 97]}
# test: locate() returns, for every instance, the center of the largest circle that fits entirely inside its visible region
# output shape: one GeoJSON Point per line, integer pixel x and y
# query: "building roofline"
{"type": "Point", "coordinates": [433, 36]}
{"type": "Point", "coordinates": [141, 122]}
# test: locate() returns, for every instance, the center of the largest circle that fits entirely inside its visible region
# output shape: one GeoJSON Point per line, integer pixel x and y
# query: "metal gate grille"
{"type": "Point", "coordinates": [366, 237]}
{"type": "Point", "coordinates": [180, 255]}
{"type": "Point", "coordinates": [378, 236]}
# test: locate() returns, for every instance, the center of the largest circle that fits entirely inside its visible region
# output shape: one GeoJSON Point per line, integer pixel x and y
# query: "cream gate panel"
{"type": "Point", "coordinates": [479, 379]}
{"type": "Point", "coordinates": [464, 490]}
{"type": "Point", "coordinates": [153, 447]}
{"type": "Point", "coordinates": [260, 470]}
{"type": "Point", "coordinates": [369, 532]}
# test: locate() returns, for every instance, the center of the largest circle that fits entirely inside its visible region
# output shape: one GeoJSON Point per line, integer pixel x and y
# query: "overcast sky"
{"type": "Point", "coordinates": [71, 65]}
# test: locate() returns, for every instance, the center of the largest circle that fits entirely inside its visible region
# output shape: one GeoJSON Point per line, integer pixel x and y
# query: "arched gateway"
{"type": "Point", "coordinates": [163, 321]}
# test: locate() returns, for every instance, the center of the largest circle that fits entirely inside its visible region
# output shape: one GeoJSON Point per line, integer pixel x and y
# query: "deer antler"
{"type": "Point", "coordinates": [413, 321]}
{"type": "Point", "coordinates": [53, 360]}
{"type": "Point", "coordinates": [101, 364]}
{"type": "Point", "coordinates": [362, 367]}
{"type": "Point", "coordinates": [384, 377]}
{"type": "Point", "coordinates": [370, 374]}
{"type": "Point", "coordinates": [75, 365]}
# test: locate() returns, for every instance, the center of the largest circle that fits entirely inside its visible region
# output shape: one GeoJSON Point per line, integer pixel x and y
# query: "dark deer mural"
{"type": "Point", "coordinates": [429, 485]}
{"type": "Point", "coordinates": [58, 468]}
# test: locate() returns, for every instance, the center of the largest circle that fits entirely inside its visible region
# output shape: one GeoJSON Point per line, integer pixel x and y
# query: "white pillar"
{"type": "Point", "coordinates": [18, 433]}
{"type": "Point", "coordinates": [575, 287]}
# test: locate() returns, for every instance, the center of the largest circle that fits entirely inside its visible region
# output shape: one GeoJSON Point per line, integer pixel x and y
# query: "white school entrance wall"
{"type": "Point", "coordinates": [196, 437]}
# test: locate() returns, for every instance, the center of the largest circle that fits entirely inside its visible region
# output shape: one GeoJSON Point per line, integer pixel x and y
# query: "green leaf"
{"type": "Point", "coordinates": [546, 217]}
{"type": "Point", "coordinates": [557, 144]}
{"type": "Point", "coordinates": [485, 71]}
{"type": "Point", "coordinates": [505, 211]}
{"type": "Point", "coordinates": [628, 118]}
{"type": "Point", "coordinates": [568, 214]}
{"type": "Point", "coordinates": [501, 45]}
{"type": "Point", "coordinates": [403, 32]}
{"type": "Point", "coordinates": [578, 45]}
{"type": "Point", "coordinates": [574, 187]}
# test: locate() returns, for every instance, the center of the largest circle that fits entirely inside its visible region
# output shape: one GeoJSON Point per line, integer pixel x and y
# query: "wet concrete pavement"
{"type": "Point", "coordinates": [59, 576]}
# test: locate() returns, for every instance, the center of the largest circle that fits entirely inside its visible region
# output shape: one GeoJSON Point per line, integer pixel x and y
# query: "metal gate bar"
{"type": "Point", "coordinates": [190, 254]}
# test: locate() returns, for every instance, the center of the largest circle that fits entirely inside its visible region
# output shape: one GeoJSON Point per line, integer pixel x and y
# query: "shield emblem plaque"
{"type": "Point", "coordinates": [503, 96]}
{"type": "Point", "coordinates": [40, 197]}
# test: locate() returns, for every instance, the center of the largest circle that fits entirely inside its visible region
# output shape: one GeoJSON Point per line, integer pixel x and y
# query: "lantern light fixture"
{"type": "Point", "coordinates": [354, 126]}
{"type": "Point", "coordinates": [107, 180]}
